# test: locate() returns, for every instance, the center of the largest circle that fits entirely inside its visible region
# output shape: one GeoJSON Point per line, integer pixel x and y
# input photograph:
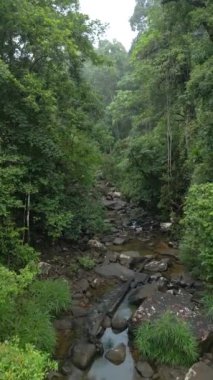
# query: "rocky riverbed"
{"type": "Point", "coordinates": [137, 276]}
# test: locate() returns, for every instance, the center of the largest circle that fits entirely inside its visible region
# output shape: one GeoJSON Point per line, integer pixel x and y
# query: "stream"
{"type": "Point", "coordinates": [103, 369]}
{"type": "Point", "coordinates": [128, 262]}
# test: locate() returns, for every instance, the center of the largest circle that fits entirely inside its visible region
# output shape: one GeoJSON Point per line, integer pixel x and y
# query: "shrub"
{"type": "Point", "coordinates": [86, 262]}
{"type": "Point", "coordinates": [197, 242]}
{"type": "Point", "coordinates": [167, 340]}
{"type": "Point", "coordinates": [13, 252]}
{"type": "Point", "coordinates": [23, 363]}
{"type": "Point", "coordinates": [37, 307]}
{"type": "Point", "coordinates": [208, 304]}
{"type": "Point", "coordinates": [27, 307]}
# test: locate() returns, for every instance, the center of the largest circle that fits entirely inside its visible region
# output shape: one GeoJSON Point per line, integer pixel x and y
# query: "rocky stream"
{"type": "Point", "coordinates": [138, 276]}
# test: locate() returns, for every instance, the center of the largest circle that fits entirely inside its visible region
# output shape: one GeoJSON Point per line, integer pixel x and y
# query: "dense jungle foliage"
{"type": "Point", "coordinates": [69, 112]}
{"type": "Point", "coordinates": [161, 121]}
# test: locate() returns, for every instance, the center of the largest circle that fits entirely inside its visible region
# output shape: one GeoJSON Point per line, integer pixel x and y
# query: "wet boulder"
{"type": "Point", "coordinates": [115, 270]}
{"type": "Point", "coordinates": [83, 354]}
{"type": "Point", "coordinates": [117, 355]}
{"type": "Point", "coordinates": [119, 323]}
{"type": "Point", "coordinates": [140, 294]}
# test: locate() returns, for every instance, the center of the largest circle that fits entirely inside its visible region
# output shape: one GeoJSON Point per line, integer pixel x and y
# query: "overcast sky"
{"type": "Point", "coordinates": [115, 12]}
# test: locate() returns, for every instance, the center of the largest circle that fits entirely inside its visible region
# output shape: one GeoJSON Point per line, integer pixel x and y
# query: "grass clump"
{"type": "Point", "coordinates": [86, 262]}
{"type": "Point", "coordinates": [28, 306]}
{"type": "Point", "coordinates": [167, 340]}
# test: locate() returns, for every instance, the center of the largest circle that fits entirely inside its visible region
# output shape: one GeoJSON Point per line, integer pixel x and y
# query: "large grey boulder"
{"type": "Point", "coordinates": [140, 294]}
{"type": "Point", "coordinates": [180, 305]}
{"type": "Point", "coordinates": [117, 355]}
{"type": "Point", "coordinates": [200, 371]}
{"type": "Point", "coordinates": [83, 354]}
{"type": "Point", "coordinates": [115, 270]}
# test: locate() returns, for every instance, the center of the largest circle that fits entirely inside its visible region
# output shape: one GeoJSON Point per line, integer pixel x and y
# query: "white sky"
{"type": "Point", "coordinates": [114, 12]}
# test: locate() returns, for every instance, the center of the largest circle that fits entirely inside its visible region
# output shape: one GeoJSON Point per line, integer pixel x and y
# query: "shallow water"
{"type": "Point", "coordinates": [102, 369]}
{"type": "Point", "coordinates": [146, 245]}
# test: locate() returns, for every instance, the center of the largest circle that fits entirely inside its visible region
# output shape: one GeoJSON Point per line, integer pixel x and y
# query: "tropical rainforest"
{"type": "Point", "coordinates": [76, 107]}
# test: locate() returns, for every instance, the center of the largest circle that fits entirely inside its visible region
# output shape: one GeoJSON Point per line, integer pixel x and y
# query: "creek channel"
{"type": "Point", "coordinates": [109, 296]}
{"type": "Point", "coordinates": [103, 369]}
{"type": "Point", "coordinates": [131, 260]}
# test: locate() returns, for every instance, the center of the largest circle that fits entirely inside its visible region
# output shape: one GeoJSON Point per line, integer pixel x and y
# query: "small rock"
{"type": "Point", "coordinates": [117, 355]}
{"type": "Point", "coordinates": [144, 369]}
{"type": "Point", "coordinates": [155, 276]}
{"type": "Point", "coordinates": [63, 324]}
{"type": "Point", "coordinates": [157, 266]}
{"type": "Point", "coordinates": [44, 268]}
{"type": "Point", "coordinates": [83, 285]}
{"type": "Point", "coordinates": [55, 376]}
{"type": "Point", "coordinates": [67, 367]}
{"type": "Point", "coordinates": [112, 257]}
{"type": "Point", "coordinates": [95, 244]}
{"type": "Point", "coordinates": [119, 241]}
{"type": "Point", "coordinates": [95, 283]}
{"type": "Point", "coordinates": [165, 226]}
{"type": "Point", "coordinates": [106, 323]}
{"type": "Point", "coordinates": [162, 284]}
